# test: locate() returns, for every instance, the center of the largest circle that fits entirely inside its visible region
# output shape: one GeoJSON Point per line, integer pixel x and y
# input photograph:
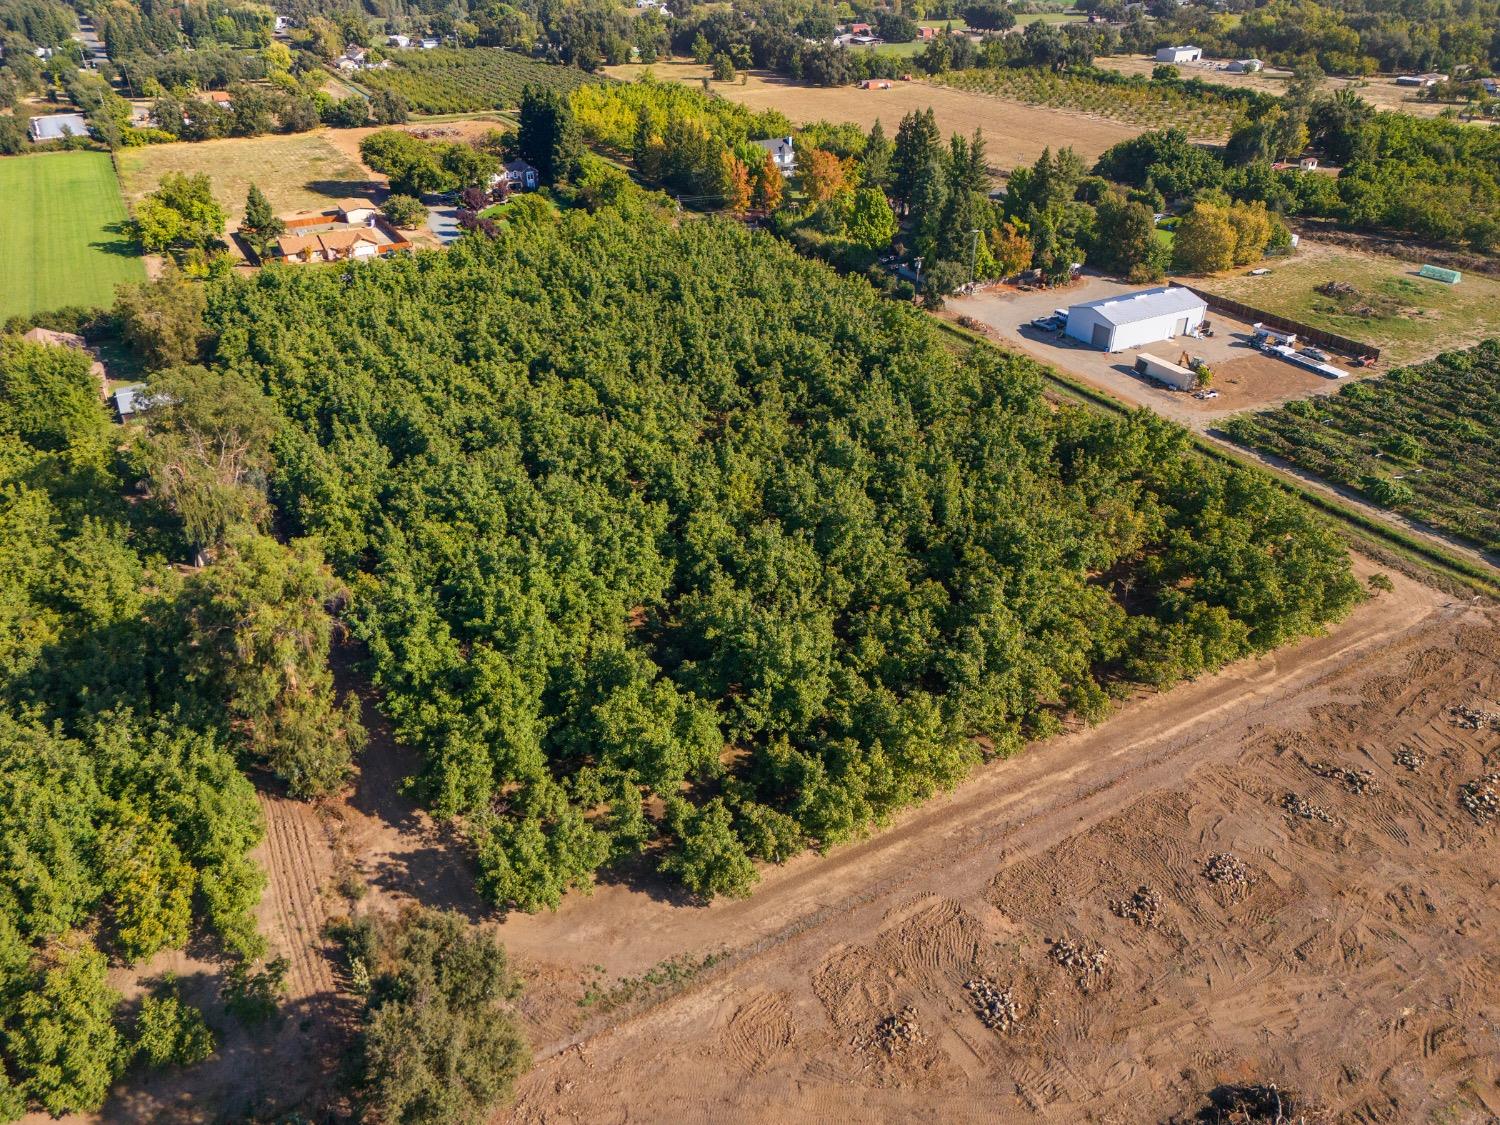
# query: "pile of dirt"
{"type": "Point", "coordinates": [1411, 758]}
{"type": "Point", "coordinates": [1358, 782]}
{"type": "Point", "coordinates": [994, 1005]}
{"type": "Point", "coordinates": [1337, 289]}
{"type": "Point", "coordinates": [1480, 797]}
{"type": "Point", "coordinates": [1087, 962]}
{"type": "Point", "coordinates": [1227, 870]}
{"type": "Point", "coordinates": [1143, 907]}
{"type": "Point", "coordinates": [1297, 805]}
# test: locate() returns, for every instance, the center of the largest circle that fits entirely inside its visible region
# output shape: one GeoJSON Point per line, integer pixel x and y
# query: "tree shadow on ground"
{"type": "Point", "coordinates": [349, 189]}
{"type": "Point", "coordinates": [122, 246]}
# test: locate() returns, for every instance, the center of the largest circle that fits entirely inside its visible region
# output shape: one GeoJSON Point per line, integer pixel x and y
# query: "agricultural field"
{"type": "Point", "coordinates": [467, 80]}
{"type": "Point", "coordinates": [1151, 107]}
{"type": "Point", "coordinates": [1423, 440]}
{"type": "Point", "coordinates": [1375, 299]}
{"type": "Point", "coordinates": [1014, 133]}
{"type": "Point", "coordinates": [1381, 92]}
{"type": "Point", "coordinates": [59, 238]}
{"type": "Point", "coordinates": [298, 172]}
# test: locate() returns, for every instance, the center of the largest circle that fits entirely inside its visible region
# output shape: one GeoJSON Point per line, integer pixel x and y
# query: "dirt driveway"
{"type": "Point", "coordinates": [1244, 377]}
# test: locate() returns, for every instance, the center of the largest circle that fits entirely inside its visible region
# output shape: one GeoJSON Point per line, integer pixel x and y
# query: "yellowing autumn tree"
{"type": "Point", "coordinates": [769, 184]}
{"type": "Point", "coordinates": [824, 175]}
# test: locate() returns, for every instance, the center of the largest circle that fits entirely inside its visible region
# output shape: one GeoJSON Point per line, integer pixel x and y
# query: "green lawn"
{"type": "Point", "coordinates": [59, 238]}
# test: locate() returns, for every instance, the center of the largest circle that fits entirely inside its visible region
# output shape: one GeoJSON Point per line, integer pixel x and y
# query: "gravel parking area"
{"type": "Point", "coordinates": [1244, 377]}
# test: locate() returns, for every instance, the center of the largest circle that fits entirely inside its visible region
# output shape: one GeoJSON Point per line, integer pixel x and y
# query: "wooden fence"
{"type": "Point", "coordinates": [1353, 348]}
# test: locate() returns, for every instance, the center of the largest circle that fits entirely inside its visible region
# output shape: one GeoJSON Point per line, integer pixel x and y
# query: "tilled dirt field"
{"type": "Point", "coordinates": [1265, 876]}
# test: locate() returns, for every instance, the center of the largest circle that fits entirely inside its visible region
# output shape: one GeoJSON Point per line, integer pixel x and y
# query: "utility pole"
{"type": "Point", "coordinates": [919, 275]}
{"type": "Point", "coordinates": [973, 255]}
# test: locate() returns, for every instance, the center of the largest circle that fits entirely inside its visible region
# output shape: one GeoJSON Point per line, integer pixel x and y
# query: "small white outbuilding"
{"type": "Point", "coordinates": [1130, 320]}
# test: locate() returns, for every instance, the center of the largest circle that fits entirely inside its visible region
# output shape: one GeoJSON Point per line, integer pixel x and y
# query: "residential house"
{"type": "Point", "coordinates": [348, 244]}
{"type": "Point", "coordinates": [1491, 86]}
{"type": "Point", "coordinates": [219, 98]}
{"type": "Point", "coordinates": [1245, 66]}
{"type": "Point", "coordinates": [43, 53]}
{"type": "Point", "coordinates": [430, 44]}
{"type": "Point", "coordinates": [57, 126]}
{"type": "Point", "coordinates": [924, 34]}
{"type": "Point", "coordinates": [520, 175]}
{"type": "Point", "coordinates": [283, 23]}
{"type": "Point", "coordinates": [401, 41]}
{"type": "Point", "coordinates": [860, 29]}
{"type": "Point", "coordinates": [782, 152]}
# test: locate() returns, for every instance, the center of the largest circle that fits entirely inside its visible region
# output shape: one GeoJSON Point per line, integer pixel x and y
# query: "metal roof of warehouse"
{"type": "Point", "coordinates": [1129, 308]}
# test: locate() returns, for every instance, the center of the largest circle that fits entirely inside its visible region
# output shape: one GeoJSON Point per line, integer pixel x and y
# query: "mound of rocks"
{"type": "Point", "coordinates": [1087, 962]}
{"type": "Point", "coordinates": [1410, 758]}
{"type": "Point", "coordinates": [994, 1005]}
{"type": "Point", "coordinates": [1227, 870]}
{"type": "Point", "coordinates": [1480, 798]}
{"type": "Point", "coordinates": [1297, 805]}
{"type": "Point", "coordinates": [1143, 907]}
{"type": "Point", "coordinates": [1358, 782]}
{"type": "Point", "coordinates": [896, 1033]}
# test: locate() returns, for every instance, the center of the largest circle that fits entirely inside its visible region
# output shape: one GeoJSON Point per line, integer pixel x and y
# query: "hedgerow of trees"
{"type": "Point", "coordinates": [133, 699]}
{"type": "Point", "coordinates": [664, 540]}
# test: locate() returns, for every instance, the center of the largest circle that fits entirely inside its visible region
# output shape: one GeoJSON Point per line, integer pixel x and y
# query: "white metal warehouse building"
{"type": "Point", "coordinates": [1113, 324]}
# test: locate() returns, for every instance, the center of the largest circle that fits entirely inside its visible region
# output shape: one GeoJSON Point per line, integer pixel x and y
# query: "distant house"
{"type": "Point", "coordinates": [57, 126]}
{"type": "Point", "coordinates": [1245, 66]}
{"type": "Point", "coordinates": [520, 175]}
{"type": "Point", "coordinates": [130, 401]}
{"type": "Point", "coordinates": [1422, 81]}
{"type": "Point", "coordinates": [1178, 54]}
{"type": "Point", "coordinates": [401, 41]}
{"type": "Point", "coordinates": [349, 232]}
{"type": "Point", "coordinates": [350, 244]}
{"type": "Point", "coordinates": [219, 98]}
{"type": "Point", "coordinates": [782, 152]}
{"type": "Point", "coordinates": [859, 29]}
{"type": "Point", "coordinates": [1491, 86]}
{"type": "Point", "coordinates": [926, 33]}
{"type": "Point", "coordinates": [283, 23]}
{"type": "Point", "coordinates": [42, 53]}
{"type": "Point", "coordinates": [430, 44]}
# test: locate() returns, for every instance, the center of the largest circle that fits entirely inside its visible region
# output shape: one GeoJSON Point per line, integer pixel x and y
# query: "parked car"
{"type": "Point", "coordinates": [1048, 323]}
{"type": "Point", "coordinates": [1261, 272]}
{"type": "Point", "coordinates": [1316, 353]}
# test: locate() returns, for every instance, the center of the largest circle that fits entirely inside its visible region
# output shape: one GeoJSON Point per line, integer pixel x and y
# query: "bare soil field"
{"type": "Point", "coordinates": [1263, 876]}
{"type": "Point", "coordinates": [1015, 133]}
{"type": "Point", "coordinates": [1380, 91]}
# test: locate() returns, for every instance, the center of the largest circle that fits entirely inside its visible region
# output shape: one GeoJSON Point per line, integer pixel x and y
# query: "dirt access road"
{"type": "Point", "coordinates": [1355, 963]}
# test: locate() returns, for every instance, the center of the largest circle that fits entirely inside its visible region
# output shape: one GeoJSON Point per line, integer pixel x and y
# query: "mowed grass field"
{"type": "Point", "coordinates": [58, 242]}
{"type": "Point", "coordinates": [1407, 317]}
{"type": "Point", "coordinates": [299, 172]}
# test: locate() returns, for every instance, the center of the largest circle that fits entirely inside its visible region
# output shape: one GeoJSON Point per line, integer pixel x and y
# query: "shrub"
{"type": "Point", "coordinates": [405, 211]}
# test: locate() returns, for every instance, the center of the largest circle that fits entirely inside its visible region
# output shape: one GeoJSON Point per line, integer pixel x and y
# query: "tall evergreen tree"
{"type": "Point", "coordinates": [548, 137]}
{"type": "Point", "coordinates": [875, 162]}
{"type": "Point", "coordinates": [918, 142]}
{"type": "Point", "coordinates": [261, 226]}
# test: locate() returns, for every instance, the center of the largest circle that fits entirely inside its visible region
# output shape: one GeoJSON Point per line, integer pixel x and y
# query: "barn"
{"type": "Point", "coordinates": [1113, 324]}
{"type": "Point", "coordinates": [1178, 54]}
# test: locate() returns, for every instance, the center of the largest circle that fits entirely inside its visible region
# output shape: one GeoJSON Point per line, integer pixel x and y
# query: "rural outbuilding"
{"type": "Point", "coordinates": [1178, 54]}
{"type": "Point", "coordinates": [56, 126]}
{"type": "Point", "coordinates": [1113, 324]}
